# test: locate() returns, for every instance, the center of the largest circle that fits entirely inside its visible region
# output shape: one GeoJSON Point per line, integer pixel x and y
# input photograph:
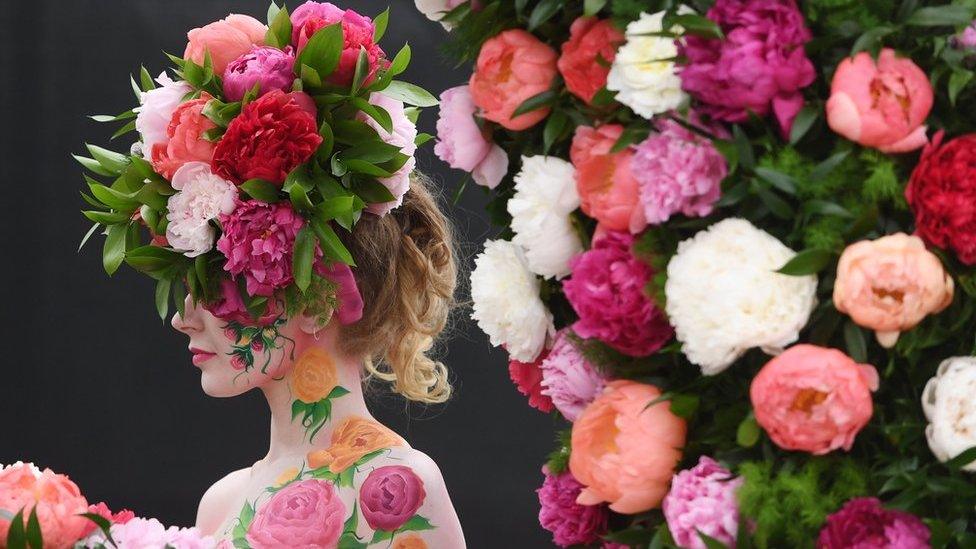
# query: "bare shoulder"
{"type": "Point", "coordinates": [219, 498]}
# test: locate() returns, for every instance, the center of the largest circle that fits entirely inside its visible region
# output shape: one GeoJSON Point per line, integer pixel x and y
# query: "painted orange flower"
{"type": "Point", "coordinates": [314, 376]}
{"type": "Point", "coordinates": [353, 438]}
{"type": "Point", "coordinates": [287, 476]}
{"type": "Point", "coordinates": [410, 541]}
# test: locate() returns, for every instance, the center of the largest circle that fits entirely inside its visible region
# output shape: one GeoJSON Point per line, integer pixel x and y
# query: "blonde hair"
{"type": "Point", "coordinates": [407, 274]}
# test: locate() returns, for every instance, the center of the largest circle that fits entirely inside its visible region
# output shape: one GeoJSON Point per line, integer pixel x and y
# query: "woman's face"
{"type": "Point", "coordinates": [234, 358]}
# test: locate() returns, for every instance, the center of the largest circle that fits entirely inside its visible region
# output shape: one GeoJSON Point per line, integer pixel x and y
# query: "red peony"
{"type": "Point", "coordinates": [527, 377]}
{"type": "Point", "coordinates": [587, 55]}
{"type": "Point", "coordinates": [272, 136]}
{"type": "Point", "coordinates": [942, 193]}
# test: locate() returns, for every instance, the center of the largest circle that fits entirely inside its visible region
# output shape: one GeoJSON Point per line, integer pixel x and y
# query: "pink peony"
{"type": "Point", "coordinates": [57, 500]}
{"type": "Point", "coordinates": [569, 522]}
{"type": "Point", "coordinates": [102, 510]}
{"type": "Point", "coordinates": [390, 496]}
{"type": "Point", "coordinates": [463, 145]}
{"type": "Point", "coordinates": [307, 513]}
{"type": "Point", "coordinates": [967, 38]}
{"type": "Point", "coordinates": [226, 40]}
{"type": "Point", "coordinates": [605, 181]}
{"type": "Point", "coordinates": [141, 533]}
{"type": "Point", "coordinates": [404, 135]}
{"type": "Point", "coordinates": [678, 172]}
{"type": "Point", "coordinates": [229, 307]}
{"type": "Point", "coordinates": [759, 66]}
{"type": "Point", "coordinates": [587, 55]}
{"type": "Point", "coordinates": [258, 240]}
{"type": "Point", "coordinates": [185, 141]}
{"type": "Point", "coordinates": [607, 290]}
{"type": "Point", "coordinates": [270, 67]}
{"type": "Point", "coordinates": [813, 399]}
{"type": "Point", "coordinates": [569, 379]}
{"type": "Point", "coordinates": [882, 105]}
{"type": "Point", "coordinates": [357, 30]}
{"type": "Point", "coordinates": [863, 523]}
{"type": "Point", "coordinates": [528, 378]}
{"type": "Point", "coordinates": [156, 108]}
{"type": "Point", "coordinates": [703, 499]}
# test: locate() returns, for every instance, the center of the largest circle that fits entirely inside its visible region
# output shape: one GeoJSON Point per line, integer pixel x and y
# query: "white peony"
{"type": "Point", "coordinates": [506, 300]}
{"type": "Point", "coordinates": [951, 409]}
{"type": "Point", "coordinates": [643, 73]}
{"type": "Point", "coordinates": [203, 196]}
{"type": "Point", "coordinates": [724, 296]}
{"type": "Point", "coordinates": [435, 10]}
{"type": "Point", "coordinates": [156, 111]}
{"type": "Point", "coordinates": [545, 196]}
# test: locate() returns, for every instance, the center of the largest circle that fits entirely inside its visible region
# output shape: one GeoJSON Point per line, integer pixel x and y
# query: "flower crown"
{"type": "Point", "coordinates": [270, 141]}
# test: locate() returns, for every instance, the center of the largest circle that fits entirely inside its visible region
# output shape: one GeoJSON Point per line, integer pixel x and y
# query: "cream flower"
{"type": "Point", "coordinates": [435, 10]}
{"type": "Point", "coordinates": [202, 196]}
{"type": "Point", "coordinates": [506, 300]}
{"type": "Point", "coordinates": [951, 410]}
{"type": "Point", "coordinates": [545, 195]}
{"type": "Point", "coordinates": [156, 111]}
{"type": "Point", "coordinates": [643, 73]}
{"type": "Point", "coordinates": [724, 296]}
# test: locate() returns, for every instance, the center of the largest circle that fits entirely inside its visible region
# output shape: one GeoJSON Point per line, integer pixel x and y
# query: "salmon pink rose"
{"type": "Point", "coordinates": [881, 105]}
{"type": "Point", "coordinates": [390, 496]}
{"type": "Point", "coordinates": [608, 190]}
{"type": "Point", "coordinates": [56, 499]}
{"type": "Point", "coordinates": [357, 31]}
{"type": "Point", "coordinates": [624, 451]}
{"type": "Point", "coordinates": [587, 55]}
{"type": "Point", "coordinates": [890, 284]}
{"type": "Point", "coordinates": [226, 40]}
{"type": "Point", "coordinates": [307, 513]}
{"type": "Point", "coordinates": [813, 399]}
{"type": "Point", "coordinates": [512, 67]}
{"type": "Point", "coordinates": [185, 138]}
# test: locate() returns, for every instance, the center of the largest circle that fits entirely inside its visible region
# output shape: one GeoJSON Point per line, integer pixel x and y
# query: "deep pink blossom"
{"type": "Point", "coordinates": [270, 67]}
{"type": "Point", "coordinates": [390, 496]}
{"type": "Point", "coordinates": [569, 522]}
{"type": "Point", "coordinates": [357, 30]}
{"type": "Point", "coordinates": [863, 523]}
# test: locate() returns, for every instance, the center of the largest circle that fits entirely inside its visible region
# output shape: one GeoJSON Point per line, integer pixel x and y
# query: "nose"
{"type": "Point", "coordinates": [190, 321]}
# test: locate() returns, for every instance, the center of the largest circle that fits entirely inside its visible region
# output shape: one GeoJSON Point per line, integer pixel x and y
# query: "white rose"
{"type": "Point", "coordinates": [545, 196]}
{"type": "Point", "coordinates": [506, 300]}
{"type": "Point", "coordinates": [951, 409]}
{"type": "Point", "coordinates": [203, 196]}
{"type": "Point", "coordinates": [435, 10]}
{"type": "Point", "coordinates": [724, 296]}
{"type": "Point", "coordinates": [156, 111]}
{"type": "Point", "coordinates": [643, 73]}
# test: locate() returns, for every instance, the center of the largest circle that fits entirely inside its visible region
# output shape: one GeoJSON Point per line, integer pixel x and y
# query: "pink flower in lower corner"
{"type": "Point", "coordinates": [863, 523]}
{"type": "Point", "coordinates": [569, 379]}
{"type": "Point", "coordinates": [308, 513]}
{"type": "Point", "coordinates": [56, 499]}
{"type": "Point", "coordinates": [570, 522]}
{"type": "Point", "coordinates": [390, 496]}
{"type": "Point", "coordinates": [143, 533]}
{"type": "Point", "coordinates": [527, 376]}
{"type": "Point", "coordinates": [463, 145]}
{"type": "Point", "coordinates": [703, 499]}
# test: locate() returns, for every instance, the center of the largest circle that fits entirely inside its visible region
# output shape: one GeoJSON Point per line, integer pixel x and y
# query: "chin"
{"type": "Point", "coordinates": [221, 386]}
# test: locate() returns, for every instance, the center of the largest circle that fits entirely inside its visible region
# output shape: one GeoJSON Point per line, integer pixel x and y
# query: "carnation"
{"type": "Point", "coordinates": [545, 196]}
{"type": "Point", "coordinates": [202, 197]}
{"type": "Point", "coordinates": [404, 135]}
{"type": "Point", "coordinates": [569, 379]}
{"type": "Point", "coordinates": [607, 291]}
{"type": "Point", "coordinates": [570, 523]}
{"type": "Point", "coordinates": [703, 499]}
{"type": "Point", "coordinates": [950, 409]}
{"type": "Point", "coordinates": [527, 377]}
{"type": "Point", "coordinates": [863, 523]}
{"type": "Point", "coordinates": [156, 110]}
{"type": "Point", "coordinates": [724, 296]}
{"type": "Point", "coordinates": [507, 305]}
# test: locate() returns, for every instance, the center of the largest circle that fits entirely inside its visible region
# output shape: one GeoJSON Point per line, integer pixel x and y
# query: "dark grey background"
{"type": "Point", "coordinates": [92, 384]}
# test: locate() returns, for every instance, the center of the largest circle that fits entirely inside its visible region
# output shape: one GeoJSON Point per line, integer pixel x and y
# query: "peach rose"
{"type": "Point", "coordinates": [608, 190]}
{"type": "Point", "coordinates": [882, 105]}
{"type": "Point", "coordinates": [58, 502]}
{"type": "Point", "coordinates": [409, 541]}
{"type": "Point", "coordinates": [314, 376]}
{"type": "Point", "coordinates": [590, 40]}
{"type": "Point", "coordinates": [625, 452]}
{"type": "Point", "coordinates": [352, 439]}
{"type": "Point", "coordinates": [185, 141]}
{"type": "Point", "coordinates": [226, 40]}
{"type": "Point", "coordinates": [512, 67]}
{"type": "Point", "coordinates": [890, 284]}
{"type": "Point", "coordinates": [813, 399]}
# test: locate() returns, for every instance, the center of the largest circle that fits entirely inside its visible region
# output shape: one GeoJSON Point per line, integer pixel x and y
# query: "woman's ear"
{"type": "Point", "coordinates": [310, 324]}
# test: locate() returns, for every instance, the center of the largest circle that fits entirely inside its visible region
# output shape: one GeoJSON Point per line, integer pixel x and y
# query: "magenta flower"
{"type": "Point", "coordinates": [569, 379]}
{"type": "Point", "coordinates": [703, 499]}
{"type": "Point", "coordinates": [607, 290]}
{"type": "Point", "coordinates": [967, 38]}
{"type": "Point", "coordinates": [865, 524]}
{"type": "Point", "coordinates": [390, 496]}
{"type": "Point", "coordinates": [569, 522]}
{"type": "Point", "coordinates": [270, 67]}
{"type": "Point", "coordinates": [760, 65]}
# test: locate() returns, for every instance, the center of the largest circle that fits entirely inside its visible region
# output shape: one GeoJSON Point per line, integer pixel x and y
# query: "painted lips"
{"type": "Point", "coordinates": [200, 356]}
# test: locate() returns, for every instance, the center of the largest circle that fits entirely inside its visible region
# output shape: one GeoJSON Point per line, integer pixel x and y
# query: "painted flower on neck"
{"type": "Point", "coordinates": [390, 496]}
{"type": "Point", "coordinates": [950, 409]}
{"type": "Point", "coordinates": [409, 541]}
{"type": "Point", "coordinates": [863, 523]}
{"type": "Point", "coordinates": [56, 499]}
{"type": "Point", "coordinates": [352, 440]}
{"type": "Point", "coordinates": [314, 376]}
{"type": "Point", "coordinates": [308, 513]}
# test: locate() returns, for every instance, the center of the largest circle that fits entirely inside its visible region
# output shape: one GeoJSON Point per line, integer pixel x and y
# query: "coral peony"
{"type": "Point", "coordinates": [511, 68]}
{"type": "Point", "coordinates": [185, 141]}
{"type": "Point", "coordinates": [306, 513]}
{"type": "Point", "coordinates": [404, 136]}
{"type": "Point", "coordinates": [202, 197]}
{"type": "Point", "coordinates": [863, 523]}
{"type": "Point", "coordinates": [703, 499]}
{"type": "Point", "coordinates": [644, 74]}
{"type": "Point", "coordinates": [605, 181]}
{"type": "Point", "coordinates": [390, 496]}
{"type": "Point", "coordinates": [813, 399]}
{"type": "Point", "coordinates": [759, 66]}
{"type": "Point", "coordinates": [314, 376]}
{"type": "Point", "coordinates": [678, 171]}
{"type": "Point", "coordinates": [463, 145]}
{"type": "Point", "coordinates": [942, 193]}
{"type": "Point", "coordinates": [569, 379]}
{"type": "Point", "coordinates": [592, 45]}
{"type": "Point", "coordinates": [890, 284]}
{"type": "Point", "coordinates": [258, 241]}
{"type": "Point", "coordinates": [528, 379]}
{"type": "Point", "coordinates": [951, 410]}
{"type": "Point", "coordinates": [352, 439]}
{"type": "Point", "coordinates": [156, 108]}
{"type": "Point", "coordinates": [882, 105]}
{"type": "Point", "coordinates": [55, 498]}
{"type": "Point", "coordinates": [357, 30]}
{"type": "Point", "coordinates": [607, 291]}
{"type": "Point", "coordinates": [569, 522]}
{"type": "Point", "coordinates": [265, 67]}
{"type": "Point", "coordinates": [102, 510]}
{"type": "Point", "coordinates": [625, 451]}
{"type": "Point", "coordinates": [225, 40]}
{"type": "Point", "coordinates": [272, 136]}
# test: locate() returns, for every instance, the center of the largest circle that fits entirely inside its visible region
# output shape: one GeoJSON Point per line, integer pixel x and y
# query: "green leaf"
{"type": "Point", "coordinates": [824, 168]}
{"type": "Point", "coordinates": [710, 542]}
{"type": "Point", "coordinates": [375, 152]}
{"type": "Point", "coordinates": [824, 207]}
{"type": "Point", "coordinates": [273, 10]}
{"type": "Point", "coordinates": [416, 523]}
{"type": "Point", "coordinates": [113, 252]}
{"type": "Point", "coordinates": [337, 392]}
{"type": "Point", "coordinates": [684, 406]}
{"type": "Point", "coordinates": [102, 523]}
{"type": "Point", "coordinates": [279, 29]}
{"type": "Point", "coordinates": [554, 129]}
{"type": "Point", "coordinates": [962, 460]}
{"type": "Point", "coordinates": [332, 246]}
{"type": "Point", "coordinates": [379, 536]}
{"type": "Point", "coordinates": [16, 535]}
{"type": "Point", "coordinates": [401, 61]}
{"type": "Point", "coordinates": [544, 11]}
{"type": "Point", "coordinates": [93, 166]}
{"type": "Point", "coordinates": [323, 50]}
{"type": "Point", "coordinates": [328, 142]}
{"type": "Point", "coordinates": [958, 80]}
{"type": "Point", "coordinates": [361, 72]}
{"type": "Point", "coordinates": [593, 7]}
{"type": "Point", "coordinates": [304, 257]}
{"type": "Point", "coordinates": [112, 161]}
{"type": "Point", "coordinates": [941, 16]}
{"type": "Point", "coordinates": [871, 39]}
{"type": "Point", "coordinates": [857, 347]}
{"type": "Point", "coordinates": [692, 23]}
{"type": "Point", "coordinates": [807, 262]}
{"type": "Point", "coordinates": [776, 205]}
{"type": "Point", "coordinates": [112, 198]}
{"type": "Point", "coordinates": [359, 166]}
{"type": "Point", "coordinates": [779, 180]}
{"type": "Point", "coordinates": [150, 258]}
{"type": "Point", "coordinates": [163, 288]}
{"type": "Point", "coordinates": [146, 80]}
{"type": "Point", "coordinates": [34, 537]}
{"type": "Point", "coordinates": [743, 148]}
{"type": "Point", "coordinates": [377, 113]}
{"type": "Point", "coordinates": [410, 94]}
{"type": "Point", "coordinates": [536, 102]}
{"type": "Point", "coordinates": [261, 190]}
{"type": "Point", "coordinates": [380, 23]}
{"type": "Point", "coordinates": [803, 122]}
{"type": "Point", "coordinates": [748, 433]}
{"type": "Point", "coordinates": [372, 191]}
{"type": "Point", "coordinates": [130, 127]}
{"type": "Point", "coordinates": [88, 235]}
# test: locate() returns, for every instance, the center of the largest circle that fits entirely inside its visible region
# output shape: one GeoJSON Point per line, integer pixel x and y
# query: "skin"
{"type": "Point", "coordinates": [273, 372]}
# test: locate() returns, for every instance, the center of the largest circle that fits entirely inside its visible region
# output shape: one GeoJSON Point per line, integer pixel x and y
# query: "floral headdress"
{"type": "Point", "coordinates": [269, 142]}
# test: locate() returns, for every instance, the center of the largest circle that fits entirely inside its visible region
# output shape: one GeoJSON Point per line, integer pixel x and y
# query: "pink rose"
{"type": "Point", "coordinates": [463, 145]}
{"type": "Point", "coordinates": [608, 190]}
{"type": "Point", "coordinates": [890, 284]}
{"type": "Point", "coordinates": [512, 67]}
{"type": "Point", "coordinates": [57, 500]}
{"type": "Point", "coordinates": [587, 55]}
{"type": "Point", "coordinates": [185, 142]}
{"type": "Point", "coordinates": [390, 496]}
{"type": "Point", "coordinates": [882, 105]}
{"type": "Point", "coordinates": [226, 40]}
{"type": "Point", "coordinates": [307, 513]}
{"type": "Point", "coordinates": [813, 399]}
{"type": "Point", "coordinates": [358, 31]}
